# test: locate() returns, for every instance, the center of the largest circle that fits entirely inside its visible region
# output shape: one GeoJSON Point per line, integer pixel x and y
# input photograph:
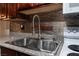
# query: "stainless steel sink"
{"type": "Point", "coordinates": [30, 43]}
{"type": "Point", "coordinates": [33, 43]}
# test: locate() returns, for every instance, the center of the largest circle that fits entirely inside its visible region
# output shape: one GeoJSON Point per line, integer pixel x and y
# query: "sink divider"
{"type": "Point", "coordinates": [25, 39]}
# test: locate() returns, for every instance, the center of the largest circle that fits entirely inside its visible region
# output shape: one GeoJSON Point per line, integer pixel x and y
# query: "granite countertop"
{"type": "Point", "coordinates": [16, 36]}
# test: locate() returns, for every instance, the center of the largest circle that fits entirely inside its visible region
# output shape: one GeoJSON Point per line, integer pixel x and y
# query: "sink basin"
{"type": "Point", "coordinates": [33, 44]}
{"type": "Point", "coordinates": [30, 43]}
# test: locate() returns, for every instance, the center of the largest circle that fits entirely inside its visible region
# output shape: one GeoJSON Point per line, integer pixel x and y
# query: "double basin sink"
{"type": "Point", "coordinates": [34, 44]}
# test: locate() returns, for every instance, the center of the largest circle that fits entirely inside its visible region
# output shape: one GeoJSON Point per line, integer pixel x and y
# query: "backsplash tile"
{"type": "Point", "coordinates": [4, 27]}
{"type": "Point", "coordinates": [46, 22]}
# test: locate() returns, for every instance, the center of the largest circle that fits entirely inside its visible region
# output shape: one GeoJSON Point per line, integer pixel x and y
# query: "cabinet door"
{"type": "Point", "coordinates": [7, 52]}
{"type": "Point", "coordinates": [22, 6]}
{"type": "Point", "coordinates": [12, 7]}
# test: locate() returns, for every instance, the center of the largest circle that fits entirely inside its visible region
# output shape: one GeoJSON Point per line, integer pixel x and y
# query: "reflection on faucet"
{"type": "Point", "coordinates": [37, 17]}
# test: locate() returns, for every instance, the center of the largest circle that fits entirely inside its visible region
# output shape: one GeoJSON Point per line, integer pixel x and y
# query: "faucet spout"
{"type": "Point", "coordinates": [33, 32]}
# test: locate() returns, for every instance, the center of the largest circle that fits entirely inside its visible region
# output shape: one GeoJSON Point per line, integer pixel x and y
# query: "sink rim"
{"type": "Point", "coordinates": [54, 51]}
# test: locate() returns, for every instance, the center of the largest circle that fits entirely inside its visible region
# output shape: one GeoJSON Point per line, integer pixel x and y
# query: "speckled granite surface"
{"type": "Point", "coordinates": [4, 39]}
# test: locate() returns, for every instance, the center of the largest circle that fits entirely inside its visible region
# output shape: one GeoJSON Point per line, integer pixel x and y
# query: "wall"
{"type": "Point", "coordinates": [4, 27]}
{"type": "Point", "coordinates": [53, 22]}
{"type": "Point", "coordinates": [47, 20]}
{"type": "Point", "coordinates": [15, 26]}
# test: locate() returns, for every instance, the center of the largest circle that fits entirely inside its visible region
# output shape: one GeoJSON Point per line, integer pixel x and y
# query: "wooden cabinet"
{"type": "Point", "coordinates": [11, 9]}
{"type": "Point", "coordinates": [9, 52]}
{"type": "Point", "coordinates": [23, 6]}
{"type": "Point", "coordinates": [43, 9]}
{"type": "Point", "coordinates": [8, 9]}
{"type": "Point", "coordinates": [3, 9]}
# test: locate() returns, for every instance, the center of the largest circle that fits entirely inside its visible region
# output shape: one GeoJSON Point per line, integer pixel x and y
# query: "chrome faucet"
{"type": "Point", "coordinates": [39, 35]}
{"type": "Point", "coordinates": [34, 25]}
